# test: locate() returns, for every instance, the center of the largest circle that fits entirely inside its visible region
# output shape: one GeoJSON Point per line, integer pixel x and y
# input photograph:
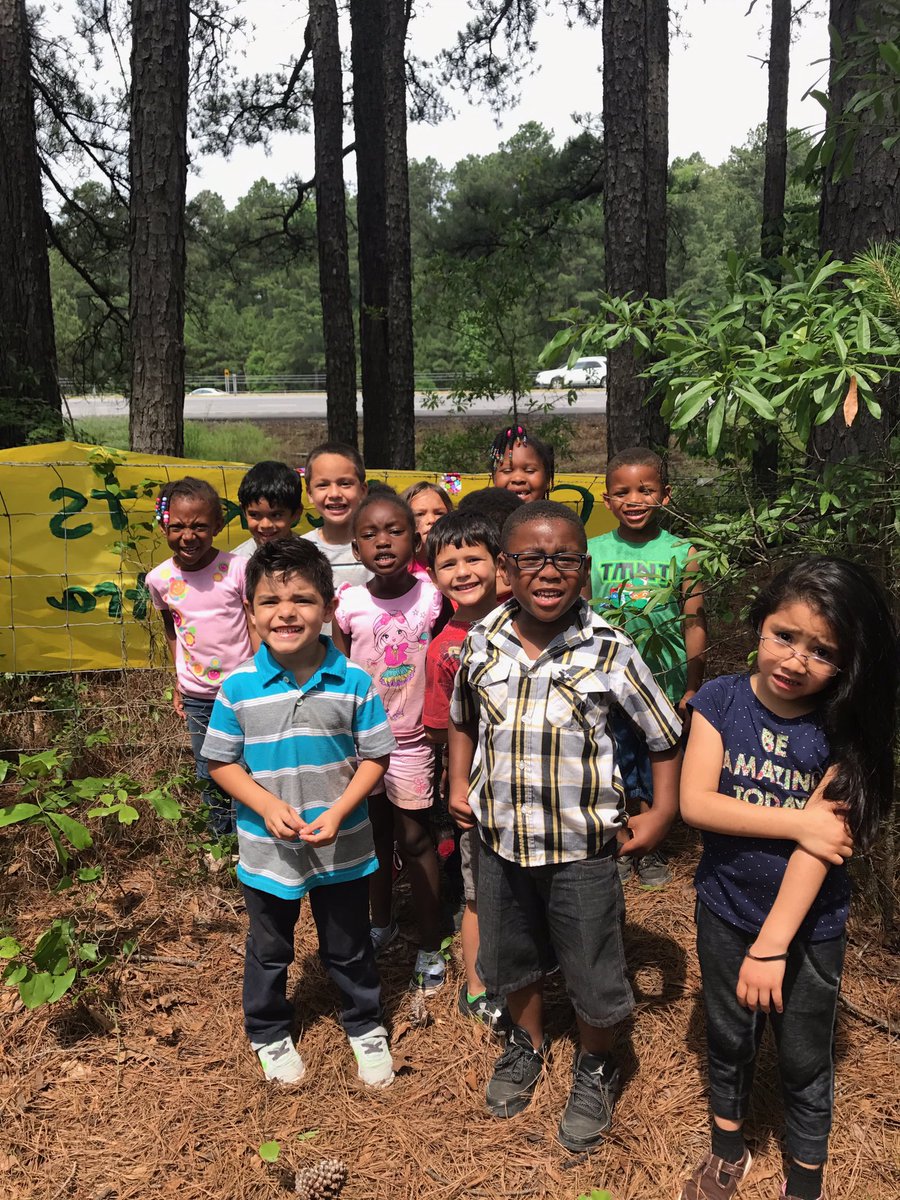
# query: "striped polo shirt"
{"type": "Point", "coordinates": [544, 785]}
{"type": "Point", "coordinates": [302, 744]}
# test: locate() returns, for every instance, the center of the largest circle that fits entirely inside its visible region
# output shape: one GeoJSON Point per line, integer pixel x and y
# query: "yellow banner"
{"type": "Point", "coordinates": [78, 540]}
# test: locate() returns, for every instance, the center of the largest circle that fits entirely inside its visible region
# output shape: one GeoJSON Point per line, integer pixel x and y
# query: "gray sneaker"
{"type": "Point", "coordinates": [653, 871]}
{"type": "Point", "coordinates": [624, 865]}
{"type": "Point", "coordinates": [516, 1074]}
{"type": "Point", "coordinates": [588, 1113]}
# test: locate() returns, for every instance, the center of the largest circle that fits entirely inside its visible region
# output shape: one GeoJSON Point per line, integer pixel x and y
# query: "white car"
{"type": "Point", "coordinates": [584, 372]}
{"type": "Point", "coordinates": [206, 391]}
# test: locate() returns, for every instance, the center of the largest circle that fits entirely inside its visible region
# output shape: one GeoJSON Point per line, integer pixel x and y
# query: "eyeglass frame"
{"type": "Point", "coordinates": [834, 669]}
{"type": "Point", "coordinates": [547, 558]}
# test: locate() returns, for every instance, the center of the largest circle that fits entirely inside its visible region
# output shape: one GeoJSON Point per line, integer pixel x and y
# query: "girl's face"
{"type": "Point", "coordinates": [798, 658]}
{"type": "Point", "coordinates": [522, 472]}
{"type": "Point", "coordinates": [428, 507]}
{"type": "Point", "coordinates": [190, 530]}
{"type": "Point", "coordinates": [385, 541]}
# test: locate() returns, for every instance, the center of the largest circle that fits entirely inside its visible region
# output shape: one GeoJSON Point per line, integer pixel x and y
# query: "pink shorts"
{"type": "Point", "coordinates": [409, 780]}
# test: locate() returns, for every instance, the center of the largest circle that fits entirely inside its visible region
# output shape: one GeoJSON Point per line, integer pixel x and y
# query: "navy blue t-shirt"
{"type": "Point", "coordinates": [771, 760]}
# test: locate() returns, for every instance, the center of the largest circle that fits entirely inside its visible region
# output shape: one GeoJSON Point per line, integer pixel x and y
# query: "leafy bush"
{"type": "Point", "coordinates": [221, 441]}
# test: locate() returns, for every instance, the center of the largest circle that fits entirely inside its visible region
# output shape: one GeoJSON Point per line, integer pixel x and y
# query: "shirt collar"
{"type": "Point", "coordinates": [581, 629]}
{"type": "Point", "coordinates": [334, 664]}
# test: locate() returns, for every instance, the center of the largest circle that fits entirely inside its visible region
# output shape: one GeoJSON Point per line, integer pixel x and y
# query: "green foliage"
{"type": "Point", "coordinates": [224, 441]}
{"type": "Point", "coordinates": [269, 1151]}
{"type": "Point", "coordinates": [596, 1194]}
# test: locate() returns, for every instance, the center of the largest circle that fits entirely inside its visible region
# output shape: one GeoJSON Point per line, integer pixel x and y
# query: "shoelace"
{"type": "Point", "coordinates": [513, 1062]}
{"type": "Point", "coordinates": [589, 1092]}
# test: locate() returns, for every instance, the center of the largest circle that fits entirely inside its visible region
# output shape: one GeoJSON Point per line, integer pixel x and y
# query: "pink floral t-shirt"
{"type": "Point", "coordinates": [207, 607]}
{"type": "Point", "coordinates": [389, 639]}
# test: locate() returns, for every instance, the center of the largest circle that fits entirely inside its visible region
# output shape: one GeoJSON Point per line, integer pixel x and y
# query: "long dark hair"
{"type": "Point", "coordinates": [859, 704]}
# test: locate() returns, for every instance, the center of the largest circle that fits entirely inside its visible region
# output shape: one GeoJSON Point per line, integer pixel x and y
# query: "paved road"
{"type": "Point", "coordinates": [248, 406]}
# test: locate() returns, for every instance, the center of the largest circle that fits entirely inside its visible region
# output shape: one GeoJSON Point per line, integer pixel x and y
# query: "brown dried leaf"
{"type": "Point", "coordinates": [851, 403]}
{"type": "Point", "coordinates": [8, 1161]}
{"type": "Point", "coordinates": [471, 1080]}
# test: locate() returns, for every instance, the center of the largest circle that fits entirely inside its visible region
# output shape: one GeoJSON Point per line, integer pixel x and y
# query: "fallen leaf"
{"type": "Point", "coordinates": [8, 1161]}
{"type": "Point", "coordinates": [471, 1080]}
{"type": "Point", "coordinates": [851, 403]}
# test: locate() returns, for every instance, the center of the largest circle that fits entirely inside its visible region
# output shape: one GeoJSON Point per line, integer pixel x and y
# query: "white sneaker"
{"type": "Point", "coordinates": [280, 1062]}
{"type": "Point", "coordinates": [373, 1058]}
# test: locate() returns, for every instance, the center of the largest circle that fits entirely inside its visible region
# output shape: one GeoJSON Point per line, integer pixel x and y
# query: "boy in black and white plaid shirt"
{"type": "Point", "coordinates": [532, 764]}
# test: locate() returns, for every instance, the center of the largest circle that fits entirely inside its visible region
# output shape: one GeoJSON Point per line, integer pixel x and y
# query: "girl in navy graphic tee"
{"type": "Point", "coordinates": [787, 770]}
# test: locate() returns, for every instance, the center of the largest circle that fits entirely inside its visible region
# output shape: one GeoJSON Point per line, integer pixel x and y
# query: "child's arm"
{"type": "Point", "coordinates": [172, 643]}
{"type": "Point", "coordinates": [462, 741]}
{"type": "Point", "coordinates": [341, 640]}
{"type": "Point", "coordinates": [281, 820]}
{"type": "Point", "coordinates": [323, 829]}
{"type": "Point", "coordinates": [649, 828]}
{"type": "Point", "coordinates": [819, 828]}
{"type": "Point", "coordinates": [695, 633]}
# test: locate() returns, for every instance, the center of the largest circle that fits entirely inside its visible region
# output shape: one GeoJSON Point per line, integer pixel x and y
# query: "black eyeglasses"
{"type": "Point", "coordinates": [530, 562]}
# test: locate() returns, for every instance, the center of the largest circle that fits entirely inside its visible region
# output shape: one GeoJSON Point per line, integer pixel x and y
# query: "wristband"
{"type": "Point", "coordinates": [766, 957]}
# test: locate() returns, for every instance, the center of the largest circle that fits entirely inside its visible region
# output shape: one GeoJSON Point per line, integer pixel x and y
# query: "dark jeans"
{"type": "Point", "coordinates": [804, 1032]}
{"type": "Point", "coordinates": [220, 810]}
{"type": "Point", "coordinates": [341, 914]}
{"type": "Point", "coordinates": [632, 757]}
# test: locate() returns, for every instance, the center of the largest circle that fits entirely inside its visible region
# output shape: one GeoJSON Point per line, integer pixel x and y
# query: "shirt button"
{"type": "Point", "coordinates": [522, 764]}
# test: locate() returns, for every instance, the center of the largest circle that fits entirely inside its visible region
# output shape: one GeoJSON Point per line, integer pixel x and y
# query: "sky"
{"type": "Point", "coordinates": [717, 86]}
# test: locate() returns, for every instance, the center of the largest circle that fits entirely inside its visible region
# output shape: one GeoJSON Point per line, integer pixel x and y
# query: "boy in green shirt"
{"type": "Point", "coordinates": [646, 580]}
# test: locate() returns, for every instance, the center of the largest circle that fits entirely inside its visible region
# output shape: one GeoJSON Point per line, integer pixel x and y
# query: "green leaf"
{"type": "Point", "coordinates": [77, 834]}
{"type": "Point", "coordinates": [89, 951]}
{"type": "Point", "coordinates": [863, 332]}
{"type": "Point", "coordinates": [757, 402]}
{"type": "Point", "coordinates": [308, 1136]}
{"type": "Point", "coordinates": [128, 815]}
{"type": "Point", "coordinates": [714, 426]}
{"type": "Point", "coordinates": [166, 807]}
{"type": "Point", "coordinates": [9, 947]}
{"type": "Point", "coordinates": [890, 53]}
{"type": "Point", "coordinates": [37, 989]}
{"type": "Point", "coordinates": [4, 767]}
{"type": "Point", "coordinates": [269, 1151]}
{"type": "Point", "coordinates": [89, 874]}
{"type": "Point", "coordinates": [18, 812]}
{"type": "Point", "coordinates": [61, 985]}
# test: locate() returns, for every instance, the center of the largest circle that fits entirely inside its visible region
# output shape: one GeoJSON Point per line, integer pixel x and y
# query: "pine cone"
{"type": "Point", "coordinates": [323, 1181]}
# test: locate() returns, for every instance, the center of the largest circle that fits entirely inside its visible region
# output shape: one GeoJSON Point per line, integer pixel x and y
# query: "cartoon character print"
{"type": "Point", "coordinates": [393, 639]}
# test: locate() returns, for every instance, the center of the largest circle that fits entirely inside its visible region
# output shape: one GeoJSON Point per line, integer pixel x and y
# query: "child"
{"type": "Point", "coordinates": [199, 592]}
{"type": "Point", "coordinates": [462, 559]}
{"type": "Point", "coordinates": [336, 484]}
{"type": "Point", "coordinates": [271, 500]}
{"type": "Point", "coordinates": [494, 503]}
{"type": "Point", "coordinates": [386, 626]}
{"type": "Point", "coordinates": [315, 740]}
{"type": "Point", "coordinates": [779, 763]}
{"type": "Point", "coordinates": [522, 463]}
{"type": "Point", "coordinates": [646, 579]}
{"type": "Point", "coordinates": [531, 761]}
{"type": "Point", "coordinates": [429, 502]}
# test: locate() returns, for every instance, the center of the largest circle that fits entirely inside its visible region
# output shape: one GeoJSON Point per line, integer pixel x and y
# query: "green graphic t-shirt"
{"type": "Point", "coordinates": [639, 587]}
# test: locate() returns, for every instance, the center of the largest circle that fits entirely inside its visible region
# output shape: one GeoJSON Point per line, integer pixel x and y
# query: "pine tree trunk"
{"type": "Point", "coordinates": [30, 406]}
{"type": "Point", "coordinates": [159, 96]}
{"type": "Point", "coordinates": [862, 206]}
{"type": "Point", "coordinates": [331, 223]}
{"type": "Point", "coordinates": [772, 237]}
{"type": "Point", "coordinates": [635, 77]}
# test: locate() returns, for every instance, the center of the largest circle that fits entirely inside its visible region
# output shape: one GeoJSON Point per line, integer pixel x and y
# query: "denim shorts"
{"type": "Point", "coordinates": [469, 854]}
{"type": "Point", "coordinates": [531, 918]}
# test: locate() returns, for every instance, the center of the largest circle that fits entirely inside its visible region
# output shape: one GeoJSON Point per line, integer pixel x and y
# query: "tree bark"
{"type": "Point", "coordinates": [860, 205]}
{"type": "Point", "coordinates": [378, 31]}
{"type": "Point", "coordinates": [635, 123]}
{"type": "Point", "coordinates": [30, 405]}
{"type": "Point", "coordinates": [158, 161]}
{"type": "Point", "coordinates": [331, 223]}
{"type": "Point", "coordinates": [774, 182]}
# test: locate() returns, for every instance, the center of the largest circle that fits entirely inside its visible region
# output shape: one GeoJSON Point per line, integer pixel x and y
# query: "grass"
{"type": "Point", "coordinates": [232, 441]}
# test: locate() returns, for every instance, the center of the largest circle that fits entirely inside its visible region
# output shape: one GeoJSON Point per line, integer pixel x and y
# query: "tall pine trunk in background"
{"type": "Point", "coordinates": [331, 223]}
{"type": "Point", "coordinates": [860, 205]}
{"type": "Point", "coordinates": [30, 406]}
{"type": "Point", "coordinates": [158, 160]}
{"type": "Point", "coordinates": [378, 32]}
{"type": "Point", "coordinates": [635, 126]}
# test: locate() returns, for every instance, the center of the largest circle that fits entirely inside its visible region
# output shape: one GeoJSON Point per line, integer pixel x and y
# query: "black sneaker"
{"type": "Point", "coordinates": [489, 1010]}
{"type": "Point", "coordinates": [588, 1114]}
{"type": "Point", "coordinates": [516, 1074]}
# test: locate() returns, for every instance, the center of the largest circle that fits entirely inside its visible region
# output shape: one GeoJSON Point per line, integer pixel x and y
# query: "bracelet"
{"type": "Point", "coordinates": [766, 957]}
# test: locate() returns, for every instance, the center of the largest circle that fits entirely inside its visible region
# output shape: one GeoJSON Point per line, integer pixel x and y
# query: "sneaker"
{"type": "Point", "coordinates": [280, 1062]}
{"type": "Point", "coordinates": [652, 871]}
{"type": "Point", "coordinates": [785, 1195]}
{"type": "Point", "coordinates": [716, 1179]}
{"type": "Point", "coordinates": [624, 865]}
{"type": "Point", "coordinates": [429, 972]}
{"type": "Point", "coordinates": [373, 1058]}
{"type": "Point", "coordinates": [516, 1073]}
{"type": "Point", "coordinates": [383, 935]}
{"type": "Point", "coordinates": [484, 1008]}
{"type": "Point", "coordinates": [588, 1113]}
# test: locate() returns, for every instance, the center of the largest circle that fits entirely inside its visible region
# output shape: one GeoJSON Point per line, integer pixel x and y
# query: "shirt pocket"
{"type": "Point", "coordinates": [578, 699]}
{"type": "Point", "coordinates": [490, 682]}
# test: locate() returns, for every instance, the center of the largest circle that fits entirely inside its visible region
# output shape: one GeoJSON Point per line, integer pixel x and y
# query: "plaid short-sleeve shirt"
{"type": "Point", "coordinates": [544, 785]}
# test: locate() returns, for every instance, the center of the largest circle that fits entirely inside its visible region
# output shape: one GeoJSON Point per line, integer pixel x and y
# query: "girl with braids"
{"type": "Point", "coordinates": [199, 592]}
{"type": "Point", "coordinates": [787, 769]}
{"type": "Point", "coordinates": [521, 463]}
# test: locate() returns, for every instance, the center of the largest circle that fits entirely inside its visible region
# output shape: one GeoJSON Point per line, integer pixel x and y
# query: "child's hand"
{"type": "Point", "coordinates": [824, 831]}
{"type": "Point", "coordinates": [461, 811]}
{"type": "Point", "coordinates": [178, 703]}
{"type": "Point", "coordinates": [759, 984]}
{"type": "Point", "coordinates": [647, 830]}
{"type": "Point", "coordinates": [321, 830]}
{"type": "Point", "coordinates": [282, 821]}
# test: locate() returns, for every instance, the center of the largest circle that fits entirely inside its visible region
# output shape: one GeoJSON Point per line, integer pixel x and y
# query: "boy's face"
{"type": "Point", "coordinates": [268, 522]}
{"type": "Point", "coordinates": [288, 614]}
{"type": "Point", "coordinates": [548, 593]}
{"type": "Point", "coordinates": [336, 490]}
{"type": "Point", "coordinates": [634, 495]}
{"type": "Point", "coordinates": [467, 576]}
